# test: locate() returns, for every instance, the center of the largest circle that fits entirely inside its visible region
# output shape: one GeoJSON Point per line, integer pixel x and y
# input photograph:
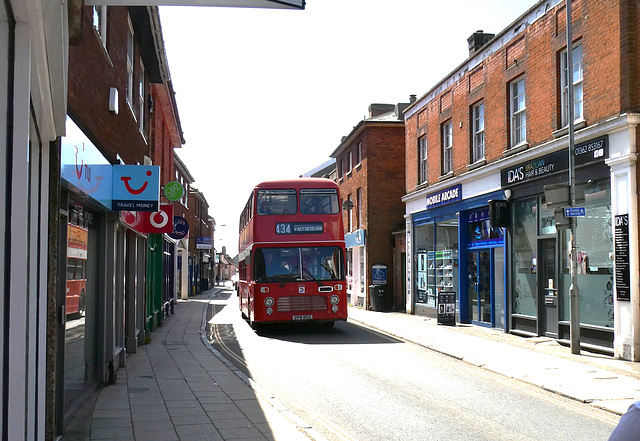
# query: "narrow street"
{"type": "Point", "coordinates": [351, 383]}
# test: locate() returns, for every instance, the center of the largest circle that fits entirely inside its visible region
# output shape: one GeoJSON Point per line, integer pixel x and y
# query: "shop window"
{"type": "Point", "coordinates": [525, 213]}
{"type": "Point", "coordinates": [437, 260]}
{"type": "Point", "coordinates": [518, 114]}
{"type": "Point", "coordinates": [594, 243]}
{"type": "Point", "coordinates": [576, 81]}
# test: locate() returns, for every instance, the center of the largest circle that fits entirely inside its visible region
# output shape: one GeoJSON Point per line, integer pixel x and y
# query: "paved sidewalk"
{"type": "Point", "coordinates": [603, 381]}
{"type": "Point", "coordinates": [178, 387]}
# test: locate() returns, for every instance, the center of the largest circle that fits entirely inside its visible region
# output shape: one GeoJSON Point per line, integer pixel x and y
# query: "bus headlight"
{"type": "Point", "coordinates": [269, 311]}
{"type": "Point", "coordinates": [334, 308]}
{"type": "Point", "coordinates": [337, 287]}
{"type": "Point", "coordinates": [268, 302]}
{"type": "Point", "coordinates": [334, 299]}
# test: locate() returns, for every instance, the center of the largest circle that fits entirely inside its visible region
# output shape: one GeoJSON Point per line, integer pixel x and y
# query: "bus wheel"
{"type": "Point", "coordinates": [328, 325]}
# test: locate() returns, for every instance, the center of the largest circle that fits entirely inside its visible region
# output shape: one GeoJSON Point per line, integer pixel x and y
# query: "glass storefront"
{"type": "Point", "coordinates": [537, 242]}
{"type": "Point", "coordinates": [594, 243]}
{"type": "Point", "coordinates": [437, 260]}
{"type": "Point", "coordinates": [81, 283]}
{"type": "Point", "coordinates": [525, 234]}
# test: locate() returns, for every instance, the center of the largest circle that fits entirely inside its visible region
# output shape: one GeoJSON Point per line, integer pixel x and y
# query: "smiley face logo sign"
{"type": "Point", "coordinates": [136, 187]}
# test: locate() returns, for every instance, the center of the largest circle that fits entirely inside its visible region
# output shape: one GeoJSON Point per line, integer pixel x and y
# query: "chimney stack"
{"type": "Point", "coordinates": [477, 40]}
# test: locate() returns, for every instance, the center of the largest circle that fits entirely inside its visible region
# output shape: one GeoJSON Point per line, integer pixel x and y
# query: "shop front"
{"type": "Point", "coordinates": [454, 249]}
{"type": "Point", "coordinates": [540, 274]}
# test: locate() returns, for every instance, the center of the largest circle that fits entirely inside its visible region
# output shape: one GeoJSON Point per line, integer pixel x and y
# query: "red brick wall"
{"type": "Point", "coordinates": [611, 69]}
{"type": "Point", "coordinates": [381, 177]}
{"type": "Point", "coordinates": [92, 72]}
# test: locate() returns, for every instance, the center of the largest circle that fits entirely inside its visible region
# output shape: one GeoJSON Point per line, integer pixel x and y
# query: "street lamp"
{"type": "Point", "coordinates": [574, 291]}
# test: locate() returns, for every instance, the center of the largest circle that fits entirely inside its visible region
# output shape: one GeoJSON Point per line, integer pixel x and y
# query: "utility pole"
{"type": "Point", "coordinates": [574, 291]}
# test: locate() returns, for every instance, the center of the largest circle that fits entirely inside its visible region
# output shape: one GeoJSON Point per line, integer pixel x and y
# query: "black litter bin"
{"type": "Point", "coordinates": [376, 297]}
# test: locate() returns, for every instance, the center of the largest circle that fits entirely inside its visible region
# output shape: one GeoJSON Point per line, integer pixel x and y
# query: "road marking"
{"type": "Point", "coordinates": [325, 422]}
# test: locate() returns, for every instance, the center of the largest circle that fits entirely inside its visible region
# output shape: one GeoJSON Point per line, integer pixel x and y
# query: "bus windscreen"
{"type": "Point", "coordinates": [298, 264]}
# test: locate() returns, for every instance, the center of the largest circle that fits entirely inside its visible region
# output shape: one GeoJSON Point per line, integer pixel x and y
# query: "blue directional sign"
{"type": "Point", "coordinates": [574, 212]}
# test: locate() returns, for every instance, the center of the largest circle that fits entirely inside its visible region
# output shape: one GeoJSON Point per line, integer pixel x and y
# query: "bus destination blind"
{"type": "Point", "coordinates": [299, 228]}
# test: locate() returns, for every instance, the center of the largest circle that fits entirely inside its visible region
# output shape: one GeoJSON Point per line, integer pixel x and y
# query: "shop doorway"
{"type": "Point", "coordinates": [480, 302]}
{"type": "Point", "coordinates": [548, 286]}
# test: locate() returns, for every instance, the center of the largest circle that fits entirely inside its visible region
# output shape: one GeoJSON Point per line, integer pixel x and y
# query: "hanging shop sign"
{"type": "Point", "coordinates": [621, 248]}
{"type": "Point", "coordinates": [204, 243]}
{"type": "Point", "coordinates": [444, 197]}
{"type": "Point", "coordinates": [355, 239]}
{"type": "Point", "coordinates": [159, 221]}
{"type": "Point", "coordinates": [594, 150]}
{"type": "Point", "coordinates": [173, 191]}
{"type": "Point", "coordinates": [499, 213]}
{"type": "Point", "coordinates": [83, 168]}
{"type": "Point", "coordinates": [180, 228]}
{"type": "Point", "coordinates": [136, 187]}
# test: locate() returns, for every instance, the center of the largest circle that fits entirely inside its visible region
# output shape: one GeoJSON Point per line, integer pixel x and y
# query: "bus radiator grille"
{"type": "Point", "coordinates": [302, 303]}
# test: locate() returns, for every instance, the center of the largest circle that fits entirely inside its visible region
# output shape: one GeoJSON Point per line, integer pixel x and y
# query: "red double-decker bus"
{"type": "Point", "coordinates": [291, 253]}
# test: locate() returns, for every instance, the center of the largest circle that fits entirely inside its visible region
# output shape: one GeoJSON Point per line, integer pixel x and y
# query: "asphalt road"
{"type": "Point", "coordinates": [352, 383]}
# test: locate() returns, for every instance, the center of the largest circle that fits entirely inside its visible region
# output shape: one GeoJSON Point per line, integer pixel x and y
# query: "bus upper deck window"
{"type": "Point", "coordinates": [319, 201]}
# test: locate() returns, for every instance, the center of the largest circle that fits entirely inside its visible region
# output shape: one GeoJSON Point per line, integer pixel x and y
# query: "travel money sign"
{"type": "Point", "coordinates": [136, 187]}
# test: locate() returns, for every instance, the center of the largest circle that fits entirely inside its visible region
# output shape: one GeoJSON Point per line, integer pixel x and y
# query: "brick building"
{"type": "Point", "coordinates": [497, 129]}
{"type": "Point", "coordinates": [116, 278]}
{"type": "Point", "coordinates": [370, 174]}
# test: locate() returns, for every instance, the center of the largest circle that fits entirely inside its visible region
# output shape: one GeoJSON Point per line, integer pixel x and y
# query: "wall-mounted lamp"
{"type": "Point", "coordinates": [347, 205]}
{"type": "Point", "coordinates": [507, 194]}
{"type": "Point", "coordinates": [113, 100]}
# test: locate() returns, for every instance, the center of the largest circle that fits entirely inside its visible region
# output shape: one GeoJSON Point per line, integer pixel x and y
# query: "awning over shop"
{"type": "Point", "coordinates": [271, 4]}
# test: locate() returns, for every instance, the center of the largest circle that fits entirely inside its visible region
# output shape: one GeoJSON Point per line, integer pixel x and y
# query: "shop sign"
{"type": "Point", "coordinates": [499, 213]}
{"type": "Point", "coordinates": [355, 239]}
{"type": "Point", "coordinates": [270, 4]}
{"type": "Point", "coordinates": [204, 243]}
{"type": "Point", "coordinates": [587, 152]}
{"type": "Point", "coordinates": [621, 247]}
{"type": "Point", "coordinates": [173, 191]}
{"type": "Point", "coordinates": [136, 187]}
{"type": "Point", "coordinates": [444, 197]}
{"type": "Point", "coordinates": [83, 167]}
{"type": "Point", "coordinates": [447, 308]}
{"type": "Point", "coordinates": [160, 221]}
{"type": "Point", "coordinates": [180, 228]}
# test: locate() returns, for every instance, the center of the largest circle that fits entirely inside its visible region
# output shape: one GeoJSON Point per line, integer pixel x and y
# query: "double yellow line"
{"type": "Point", "coordinates": [326, 423]}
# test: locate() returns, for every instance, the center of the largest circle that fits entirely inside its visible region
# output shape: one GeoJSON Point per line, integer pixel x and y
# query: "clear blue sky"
{"type": "Point", "coordinates": [267, 94]}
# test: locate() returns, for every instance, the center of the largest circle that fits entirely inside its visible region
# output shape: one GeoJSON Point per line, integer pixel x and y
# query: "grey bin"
{"type": "Point", "coordinates": [376, 297]}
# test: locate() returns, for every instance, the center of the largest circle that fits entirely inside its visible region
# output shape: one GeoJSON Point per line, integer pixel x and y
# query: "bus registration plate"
{"type": "Point", "coordinates": [303, 317]}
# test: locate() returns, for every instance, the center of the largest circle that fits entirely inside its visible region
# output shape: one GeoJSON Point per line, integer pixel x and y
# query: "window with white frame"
{"type": "Point", "coordinates": [350, 214]}
{"type": "Point", "coordinates": [100, 22]}
{"type": "Point", "coordinates": [350, 162]}
{"type": "Point", "coordinates": [141, 98]}
{"type": "Point", "coordinates": [447, 148]}
{"type": "Point", "coordinates": [576, 80]}
{"type": "Point", "coordinates": [359, 202]}
{"type": "Point", "coordinates": [422, 153]}
{"type": "Point", "coordinates": [518, 112]}
{"type": "Point", "coordinates": [339, 168]}
{"type": "Point", "coordinates": [478, 132]}
{"type": "Point", "coordinates": [129, 94]}
{"type": "Point", "coordinates": [359, 152]}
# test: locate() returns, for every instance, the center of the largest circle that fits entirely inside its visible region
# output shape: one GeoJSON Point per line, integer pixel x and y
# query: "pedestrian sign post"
{"type": "Point", "coordinates": [575, 212]}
